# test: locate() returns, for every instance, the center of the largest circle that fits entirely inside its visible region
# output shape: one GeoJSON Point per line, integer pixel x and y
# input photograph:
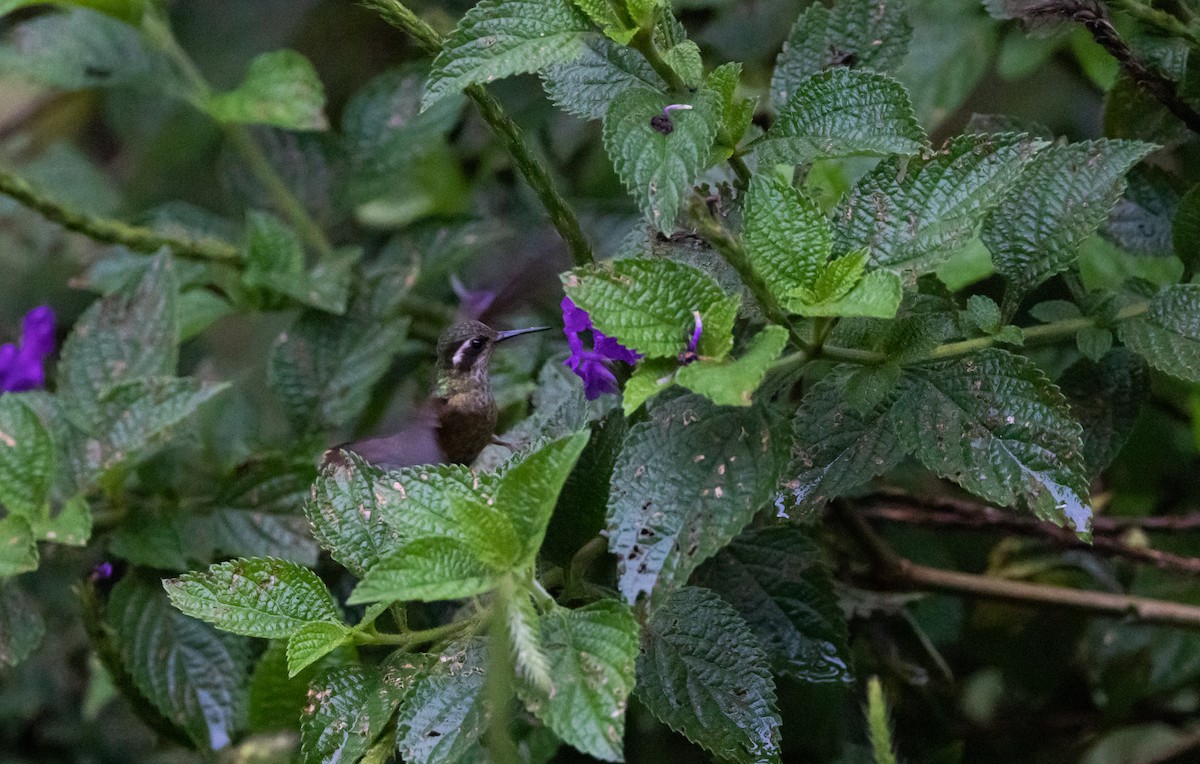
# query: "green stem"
{"type": "Point", "coordinates": [733, 253]}
{"type": "Point", "coordinates": [158, 30]}
{"type": "Point", "coordinates": [582, 561]}
{"type": "Point", "coordinates": [643, 42]}
{"type": "Point", "coordinates": [110, 231]}
{"type": "Point", "coordinates": [1163, 22]}
{"type": "Point", "coordinates": [412, 638]}
{"type": "Point", "coordinates": [1043, 334]}
{"type": "Point", "coordinates": [562, 216]}
{"type": "Point", "coordinates": [500, 680]}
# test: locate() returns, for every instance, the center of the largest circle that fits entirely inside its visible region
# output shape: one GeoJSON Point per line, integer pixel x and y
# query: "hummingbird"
{"type": "Point", "coordinates": [459, 419]}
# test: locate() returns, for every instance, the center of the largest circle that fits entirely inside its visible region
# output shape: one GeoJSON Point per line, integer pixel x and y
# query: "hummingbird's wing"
{"type": "Point", "coordinates": [415, 443]}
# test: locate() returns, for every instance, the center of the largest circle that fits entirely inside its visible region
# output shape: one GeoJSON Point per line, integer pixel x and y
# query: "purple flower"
{"type": "Point", "coordinates": [102, 571]}
{"type": "Point", "coordinates": [21, 366]}
{"type": "Point", "coordinates": [592, 366]}
{"type": "Point", "coordinates": [690, 354]}
{"type": "Point", "coordinates": [472, 303]}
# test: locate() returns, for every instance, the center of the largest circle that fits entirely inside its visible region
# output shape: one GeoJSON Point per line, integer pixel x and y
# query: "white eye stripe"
{"type": "Point", "coordinates": [460, 353]}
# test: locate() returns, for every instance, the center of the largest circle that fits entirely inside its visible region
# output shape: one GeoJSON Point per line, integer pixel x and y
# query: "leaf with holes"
{"type": "Point", "coordinates": [500, 38]}
{"type": "Point", "coordinates": [256, 597]}
{"type": "Point", "coordinates": [775, 578]}
{"type": "Point", "coordinates": [193, 674]}
{"type": "Point", "coordinates": [842, 112]}
{"type": "Point", "coordinates": [702, 673]}
{"type": "Point", "coordinates": [445, 714]}
{"type": "Point", "coordinates": [1168, 334]}
{"type": "Point", "coordinates": [1064, 195]}
{"type": "Point", "coordinates": [648, 305]}
{"type": "Point", "coordinates": [281, 88]}
{"type": "Point", "coordinates": [686, 482]}
{"type": "Point", "coordinates": [837, 447]}
{"type": "Point", "coordinates": [658, 155]}
{"type": "Point", "coordinates": [345, 516]}
{"type": "Point", "coordinates": [130, 334]}
{"type": "Point", "coordinates": [870, 35]}
{"type": "Point", "coordinates": [349, 707]}
{"type": "Point", "coordinates": [912, 213]}
{"type": "Point", "coordinates": [995, 425]}
{"type": "Point", "coordinates": [591, 653]}
{"type": "Point", "coordinates": [732, 382]}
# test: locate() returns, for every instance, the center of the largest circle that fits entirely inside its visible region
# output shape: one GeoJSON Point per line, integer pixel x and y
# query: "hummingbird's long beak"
{"type": "Point", "coordinates": [501, 336]}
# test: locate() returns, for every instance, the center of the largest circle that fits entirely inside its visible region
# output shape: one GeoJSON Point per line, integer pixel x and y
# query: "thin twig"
{"type": "Point", "coordinates": [898, 572]}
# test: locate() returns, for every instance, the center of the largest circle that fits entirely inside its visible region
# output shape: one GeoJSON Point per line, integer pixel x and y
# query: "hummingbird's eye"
{"type": "Point", "coordinates": [478, 343]}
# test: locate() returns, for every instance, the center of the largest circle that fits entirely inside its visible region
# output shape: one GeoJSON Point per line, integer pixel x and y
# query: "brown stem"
{"type": "Point", "coordinates": [985, 518]}
{"type": "Point", "coordinates": [901, 573]}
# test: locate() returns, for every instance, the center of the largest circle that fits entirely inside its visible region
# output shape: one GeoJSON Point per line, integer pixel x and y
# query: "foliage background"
{"type": "Point", "coordinates": [969, 681]}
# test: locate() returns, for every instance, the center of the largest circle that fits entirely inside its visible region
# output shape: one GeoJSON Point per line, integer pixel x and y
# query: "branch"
{"type": "Point", "coordinates": [562, 216]}
{"type": "Point", "coordinates": [1094, 18]}
{"type": "Point", "coordinates": [981, 517]}
{"type": "Point", "coordinates": [901, 573]}
{"type": "Point", "coordinates": [110, 231]}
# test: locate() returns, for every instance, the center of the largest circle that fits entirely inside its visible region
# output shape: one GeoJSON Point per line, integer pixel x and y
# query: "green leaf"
{"type": "Point", "coordinates": [951, 49]}
{"type": "Point", "coordinates": [1168, 335]}
{"type": "Point", "coordinates": [500, 38]}
{"type": "Point", "coordinates": [876, 295]}
{"type": "Point", "coordinates": [194, 675]}
{"type": "Point", "coordinates": [449, 501]}
{"type": "Point", "coordinates": [659, 166]}
{"type": "Point", "coordinates": [129, 11]}
{"type": "Point", "coordinates": [1093, 342]}
{"type": "Point", "coordinates": [1055, 310]}
{"type": "Point", "coordinates": [1106, 397]}
{"type": "Point", "coordinates": [129, 334]}
{"type": "Point", "coordinates": [312, 642]}
{"type": "Point", "coordinates": [529, 489]}
{"type": "Point", "coordinates": [71, 526]}
{"type": "Point", "coordinates": [276, 700]}
{"type": "Point", "coordinates": [736, 113]}
{"type": "Point", "coordinates": [445, 712]}
{"type": "Point", "coordinates": [26, 458]}
{"type": "Point", "coordinates": [80, 49]}
{"type": "Point", "coordinates": [586, 86]}
{"type": "Point", "coordinates": [426, 570]}
{"type": "Point", "coordinates": [912, 213]}
{"type": "Point", "coordinates": [21, 625]}
{"type": "Point", "coordinates": [591, 653]}
{"type": "Point", "coordinates": [346, 518]}
{"type": "Point", "coordinates": [787, 237]}
{"type": "Point", "coordinates": [686, 482]}
{"type": "Point", "coordinates": [281, 88]}
{"type": "Point", "coordinates": [733, 382]}
{"type": "Point", "coordinates": [650, 377]}
{"type": "Point", "coordinates": [323, 368]}
{"type": "Point", "coordinates": [842, 112]}
{"type": "Point", "coordinates": [18, 546]}
{"type": "Point", "coordinates": [995, 425]}
{"type": "Point", "coordinates": [349, 707]}
{"type": "Point", "coordinates": [702, 673]}
{"type": "Point", "coordinates": [603, 15]}
{"type": "Point", "coordinates": [134, 418]}
{"type": "Point", "coordinates": [255, 597]}
{"type": "Point", "coordinates": [1185, 231]}
{"type": "Point", "coordinates": [648, 305]}
{"type": "Point", "coordinates": [860, 35]}
{"type": "Point", "coordinates": [776, 580]}
{"type": "Point", "coordinates": [1064, 195]}
{"type": "Point", "coordinates": [838, 446]}
{"type": "Point", "coordinates": [983, 313]}
{"type": "Point", "coordinates": [275, 266]}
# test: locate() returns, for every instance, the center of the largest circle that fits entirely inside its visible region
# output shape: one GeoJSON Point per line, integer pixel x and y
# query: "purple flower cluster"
{"type": "Point", "coordinates": [592, 366]}
{"type": "Point", "coordinates": [22, 366]}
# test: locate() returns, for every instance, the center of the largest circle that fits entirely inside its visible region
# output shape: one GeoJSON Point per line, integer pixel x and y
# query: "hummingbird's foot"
{"type": "Point", "coordinates": [511, 445]}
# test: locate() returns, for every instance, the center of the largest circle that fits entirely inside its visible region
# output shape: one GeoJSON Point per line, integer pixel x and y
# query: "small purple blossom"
{"type": "Point", "coordinates": [691, 353]}
{"type": "Point", "coordinates": [22, 366]}
{"type": "Point", "coordinates": [102, 571]}
{"type": "Point", "coordinates": [592, 366]}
